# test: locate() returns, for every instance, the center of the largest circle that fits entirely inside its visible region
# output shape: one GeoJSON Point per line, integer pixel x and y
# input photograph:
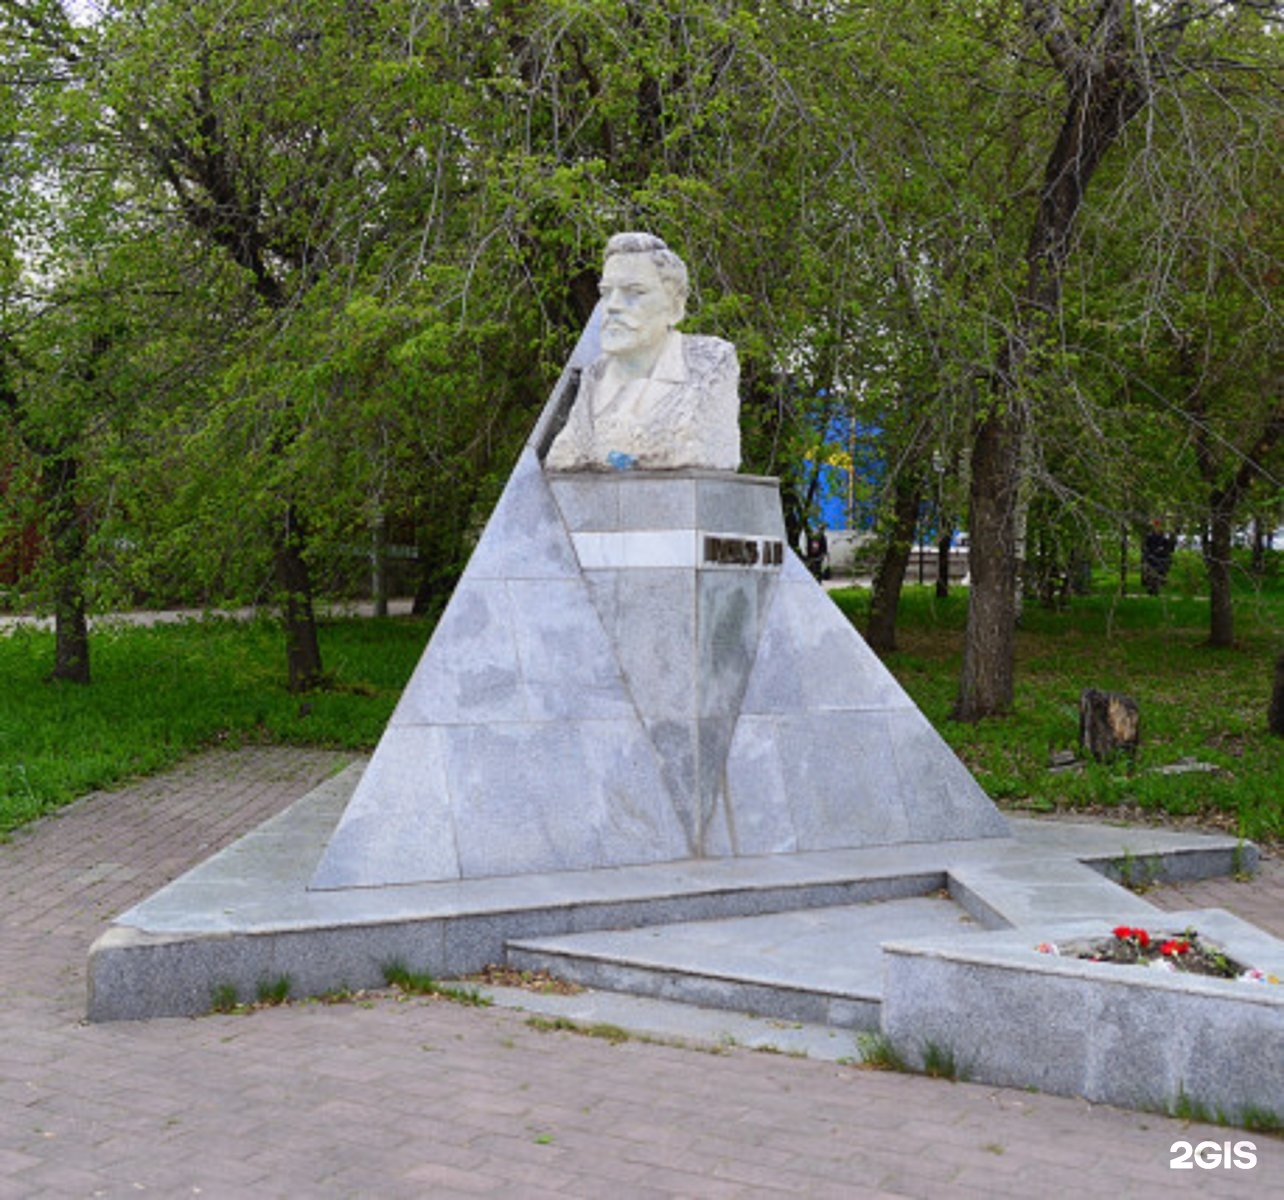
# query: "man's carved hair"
{"type": "Point", "coordinates": [672, 270]}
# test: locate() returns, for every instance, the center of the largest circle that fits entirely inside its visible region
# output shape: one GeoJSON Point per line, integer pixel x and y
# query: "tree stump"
{"type": "Point", "coordinates": [1275, 715]}
{"type": "Point", "coordinates": [1109, 724]}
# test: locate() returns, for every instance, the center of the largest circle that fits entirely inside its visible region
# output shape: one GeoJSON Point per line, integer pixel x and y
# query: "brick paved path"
{"type": "Point", "coordinates": [429, 1099]}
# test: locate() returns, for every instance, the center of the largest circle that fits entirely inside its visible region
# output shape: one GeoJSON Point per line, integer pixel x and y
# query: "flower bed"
{"type": "Point", "coordinates": [1117, 1032]}
{"type": "Point", "coordinates": [1184, 952]}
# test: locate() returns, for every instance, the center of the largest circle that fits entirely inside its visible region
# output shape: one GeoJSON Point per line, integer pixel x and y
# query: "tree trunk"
{"type": "Point", "coordinates": [880, 631]}
{"type": "Point", "coordinates": [943, 564]}
{"type": "Point", "coordinates": [294, 584]}
{"type": "Point", "coordinates": [1275, 713]}
{"type": "Point", "coordinates": [1109, 724]}
{"type": "Point", "coordinates": [379, 566]}
{"type": "Point", "coordinates": [1217, 562]}
{"type": "Point", "coordinates": [987, 680]}
{"type": "Point", "coordinates": [1259, 548]}
{"type": "Point", "coordinates": [67, 552]}
{"type": "Point", "coordinates": [1105, 91]}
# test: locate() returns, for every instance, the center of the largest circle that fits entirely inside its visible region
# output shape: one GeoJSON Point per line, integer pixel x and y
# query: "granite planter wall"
{"type": "Point", "coordinates": [1129, 1035]}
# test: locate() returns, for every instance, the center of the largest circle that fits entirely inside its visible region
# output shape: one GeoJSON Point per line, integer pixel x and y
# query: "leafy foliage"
{"type": "Point", "coordinates": [308, 287]}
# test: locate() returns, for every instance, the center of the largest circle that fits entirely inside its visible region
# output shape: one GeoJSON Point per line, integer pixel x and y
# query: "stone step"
{"type": "Point", "coordinates": [817, 966]}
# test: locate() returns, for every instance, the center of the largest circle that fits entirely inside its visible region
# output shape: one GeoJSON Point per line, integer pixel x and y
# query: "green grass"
{"type": "Point", "coordinates": [420, 983]}
{"type": "Point", "coordinates": [614, 1034]}
{"type": "Point", "coordinates": [160, 694]}
{"type": "Point", "coordinates": [271, 992]}
{"type": "Point", "coordinates": [1195, 702]}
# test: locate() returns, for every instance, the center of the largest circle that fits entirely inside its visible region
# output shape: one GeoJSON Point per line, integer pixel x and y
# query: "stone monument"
{"type": "Point", "coordinates": [643, 750]}
{"type": "Point", "coordinates": [635, 666]}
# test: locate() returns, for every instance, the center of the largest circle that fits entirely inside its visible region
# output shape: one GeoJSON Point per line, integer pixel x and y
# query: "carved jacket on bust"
{"type": "Point", "coordinates": [686, 413]}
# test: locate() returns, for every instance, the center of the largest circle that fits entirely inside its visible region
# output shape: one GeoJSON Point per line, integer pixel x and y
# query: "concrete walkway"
{"type": "Point", "coordinates": [398, 607]}
{"type": "Point", "coordinates": [415, 1098]}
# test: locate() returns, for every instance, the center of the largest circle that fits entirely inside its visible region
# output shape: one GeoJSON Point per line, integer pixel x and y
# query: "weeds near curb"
{"type": "Point", "coordinates": [607, 1032]}
{"type": "Point", "coordinates": [271, 992]}
{"type": "Point", "coordinates": [878, 1054]}
{"type": "Point", "coordinates": [1136, 874]}
{"type": "Point", "coordinates": [939, 1063]}
{"type": "Point", "coordinates": [1251, 1117]}
{"type": "Point", "coordinates": [420, 983]}
{"type": "Point", "coordinates": [224, 998]}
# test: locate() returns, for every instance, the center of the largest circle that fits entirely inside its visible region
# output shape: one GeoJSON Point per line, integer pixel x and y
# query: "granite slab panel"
{"type": "Point", "coordinates": [635, 549]}
{"type": "Point", "coordinates": [833, 949]}
{"type": "Point", "coordinates": [714, 741]}
{"type": "Point", "coordinates": [525, 537]}
{"type": "Point", "coordinates": [677, 751]}
{"type": "Point", "coordinates": [752, 819]}
{"type": "Point", "coordinates": [739, 504]}
{"type": "Point", "coordinates": [842, 780]}
{"type": "Point", "coordinates": [567, 667]}
{"type": "Point", "coordinates": [811, 659]}
{"type": "Point", "coordinates": [1128, 1035]}
{"type": "Point", "coordinates": [776, 1002]}
{"type": "Point", "coordinates": [1062, 889]}
{"type": "Point", "coordinates": [557, 796]}
{"type": "Point", "coordinates": [658, 502]}
{"type": "Point", "coordinates": [639, 818]}
{"type": "Point", "coordinates": [942, 799]}
{"type": "Point", "coordinates": [399, 826]}
{"type": "Point", "coordinates": [1160, 853]}
{"type": "Point", "coordinates": [654, 616]}
{"type": "Point", "coordinates": [728, 624]}
{"type": "Point", "coordinates": [604, 591]}
{"type": "Point", "coordinates": [470, 670]}
{"type": "Point", "coordinates": [587, 502]}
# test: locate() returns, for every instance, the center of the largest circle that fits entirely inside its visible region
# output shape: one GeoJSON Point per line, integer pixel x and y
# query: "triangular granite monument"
{"type": "Point", "coordinates": [635, 667]}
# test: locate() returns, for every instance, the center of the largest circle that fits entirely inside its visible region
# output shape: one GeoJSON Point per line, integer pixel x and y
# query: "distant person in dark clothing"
{"type": "Point", "coordinates": [1156, 557]}
{"type": "Point", "coordinates": [817, 551]}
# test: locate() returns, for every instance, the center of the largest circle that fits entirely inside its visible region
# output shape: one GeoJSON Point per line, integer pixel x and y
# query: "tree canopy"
{"type": "Point", "coordinates": [280, 276]}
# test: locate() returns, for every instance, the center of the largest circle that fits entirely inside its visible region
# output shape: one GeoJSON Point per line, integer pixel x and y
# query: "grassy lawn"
{"type": "Point", "coordinates": [159, 694]}
{"type": "Point", "coordinates": [162, 693]}
{"type": "Point", "coordinates": [1195, 702]}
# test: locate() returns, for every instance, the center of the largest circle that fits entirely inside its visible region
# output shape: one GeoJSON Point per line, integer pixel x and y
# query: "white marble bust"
{"type": "Point", "coordinates": [655, 399]}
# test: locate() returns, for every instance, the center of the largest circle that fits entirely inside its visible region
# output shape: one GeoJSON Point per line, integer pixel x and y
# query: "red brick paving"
{"type": "Point", "coordinates": [428, 1099]}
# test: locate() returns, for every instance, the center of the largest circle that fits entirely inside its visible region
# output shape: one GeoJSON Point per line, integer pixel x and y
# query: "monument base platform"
{"type": "Point", "coordinates": [839, 940]}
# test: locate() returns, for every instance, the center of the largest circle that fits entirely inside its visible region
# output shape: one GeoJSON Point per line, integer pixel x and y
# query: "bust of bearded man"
{"type": "Point", "coordinates": [654, 399]}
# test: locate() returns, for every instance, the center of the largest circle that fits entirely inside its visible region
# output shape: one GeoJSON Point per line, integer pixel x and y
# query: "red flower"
{"type": "Point", "coordinates": [1174, 946]}
{"type": "Point", "coordinates": [1124, 932]}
